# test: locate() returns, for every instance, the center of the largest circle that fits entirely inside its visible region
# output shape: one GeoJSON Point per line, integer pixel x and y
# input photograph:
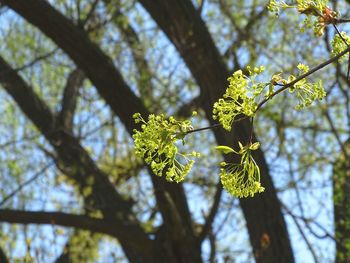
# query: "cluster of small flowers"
{"type": "Point", "coordinates": [306, 92]}
{"type": "Point", "coordinates": [239, 98]}
{"type": "Point", "coordinates": [155, 142]}
{"type": "Point", "coordinates": [243, 179]}
{"type": "Point", "coordinates": [339, 45]}
{"type": "Point", "coordinates": [312, 9]}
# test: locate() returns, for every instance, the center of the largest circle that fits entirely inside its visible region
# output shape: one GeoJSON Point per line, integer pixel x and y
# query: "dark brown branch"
{"type": "Point", "coordinates": [69, 99]}
{"type": "Point", "coordinates": [342, 20]}
{"type": "Point", "coordinates": [212, 242]}
{"type": "Point", "coordinates": [144, 71]}
{"type": "Point", "coordinates": [212, 214]}
{"type": "Point", "coordinates": [61, 219]}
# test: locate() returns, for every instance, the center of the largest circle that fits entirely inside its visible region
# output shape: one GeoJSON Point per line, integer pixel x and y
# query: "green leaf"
{"type": "Point", "coordinates": [225, 149]}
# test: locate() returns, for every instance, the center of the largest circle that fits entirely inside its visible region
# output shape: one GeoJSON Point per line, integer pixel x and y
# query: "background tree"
{"type": "Point", "coordinates": [79, 70]}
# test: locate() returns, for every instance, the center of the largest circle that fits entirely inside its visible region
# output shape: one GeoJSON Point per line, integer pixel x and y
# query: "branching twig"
{"type": "Point", "coordinates": [19, 188]}
{"type": "Point", "coordinates": [214, 209]}
{"type": "Point", "coordinates": [291, 84]}
{"type": "Point", "coordinates": [283, 88]}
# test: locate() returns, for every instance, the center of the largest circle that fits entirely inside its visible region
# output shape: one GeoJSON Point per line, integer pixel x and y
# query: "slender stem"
{"type": "Point", "coordinates": [251, 131]}
{"type": "Point", "coordinates": [204, 128]}
{"type": "Point", "coordinates": [215, 125]}
{"type": "Point", "coordinates": [340, 35]}
{"type": "Point", "coordinates": [342, 20]}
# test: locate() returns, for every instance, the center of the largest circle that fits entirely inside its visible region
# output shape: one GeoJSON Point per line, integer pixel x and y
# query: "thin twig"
{"type": "Point", "coordinates": [213, 211]}
{"type": "Point", "coordinates": [290, 84]}
{"type": "Point", "coordinates": [342, 20]}
{"type": "Point", "coordinates": [30, 180]}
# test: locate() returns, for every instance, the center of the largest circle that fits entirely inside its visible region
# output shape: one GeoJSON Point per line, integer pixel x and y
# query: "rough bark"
{"type": "Point", "coordinates": [69, 98]}
{"type": "Point", "coordinates": [187, 31]}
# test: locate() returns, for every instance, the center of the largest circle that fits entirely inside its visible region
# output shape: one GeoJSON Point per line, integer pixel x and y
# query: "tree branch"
{"type": "Point", "coordinates": [61, 219]}
{"type": "Point", "coordinates": [144, 71]}
{"type": "Point", "coordinates": [69, 99]}
{"type": "Point", "coordinates": [213, 211]}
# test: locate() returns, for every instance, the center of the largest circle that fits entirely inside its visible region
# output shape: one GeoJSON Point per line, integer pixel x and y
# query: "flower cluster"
{"type": "Point", "coordinates": [339, 45]}
{"type": "Point", "coordinates": [312, 9]}
{"type": "Point", "coordinates": [274, 6]}
{"type": "Point", "coordinates": [306, 92]}
{"type": "Point", "coordinates": [155, 142]}
{"type": "Point", "coordinates": [243, 179]}
{"type": "Point", "coordinates": [240, 97]}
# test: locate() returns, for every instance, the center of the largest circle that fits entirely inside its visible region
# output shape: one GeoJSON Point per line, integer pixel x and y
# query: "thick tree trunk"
{"type": "Point", "coordinates": [187, 31]}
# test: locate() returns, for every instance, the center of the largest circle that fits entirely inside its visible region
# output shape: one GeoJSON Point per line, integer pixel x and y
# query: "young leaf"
{"type": "Point", "coordinates": [225, 149]}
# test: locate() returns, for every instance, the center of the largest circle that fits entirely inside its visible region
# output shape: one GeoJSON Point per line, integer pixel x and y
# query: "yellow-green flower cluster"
{"type": "Point", "coordinates": [306, 92]}
{"type": "Point", "coordinates": [312, 9]}
{"type": "Point", "coordinates": [155, 142]}
{"type": "Point", "coordinates": [239, 98]}
{"type": "Point", "coordinates": [274, 6]}
{"type": "Point", "coordinates": [307, 7]}
{"type": "Point", "coordinates": [339, 45]}
{"type": "Point", "coordinates": [243, 179]}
